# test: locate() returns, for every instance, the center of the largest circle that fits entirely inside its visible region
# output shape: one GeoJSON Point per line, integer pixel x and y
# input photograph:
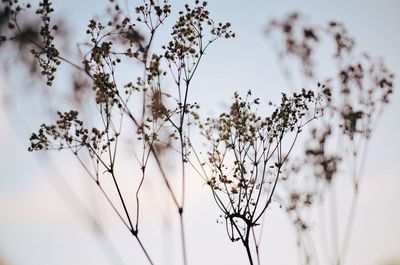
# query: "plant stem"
{"type": "Point", "coordinates": [183, 238]}
{"type": "Point", "coordinates": [144, 250]}
{"type": "Point", "coordinates": [248, 251]}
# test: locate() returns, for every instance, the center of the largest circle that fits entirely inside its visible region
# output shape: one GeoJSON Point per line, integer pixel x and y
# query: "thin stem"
{"type": "Point", "coordinates": [183, 238]}
{"type": "Point", "coordinates": [144, 249]}
{"type": "Point", "coordinates": [102, 191]}
{"type": "Point", "coordinates": [256, 244]}
{"type": "Point", "coordinates": [334, 224]}
{"type": "Point", "coordinates": [122, 200]}
{"type": "Point", "coordinates": [62, 184]}
{"type": "Point", "coordinates": [248, 252]}
{"type": "Point", "coordinates": [164, 175]}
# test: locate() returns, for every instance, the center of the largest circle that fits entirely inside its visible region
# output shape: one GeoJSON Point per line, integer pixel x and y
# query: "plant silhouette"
{"type": "Point", "coordinates": [248, 161]}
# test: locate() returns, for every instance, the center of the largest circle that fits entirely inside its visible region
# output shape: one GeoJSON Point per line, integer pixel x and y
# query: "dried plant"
{"type": "Point", "coordinates": [162, 119]}
{"type": "Point", "coordinates": [247, 153]}
{"type": "Point", "coordinates": [359, 89]}
{"type": "Point", "coordinates": [248, 161]}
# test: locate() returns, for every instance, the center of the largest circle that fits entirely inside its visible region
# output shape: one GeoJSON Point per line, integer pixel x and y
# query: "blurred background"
{"type": "Point", "coordinates": [51, 213]}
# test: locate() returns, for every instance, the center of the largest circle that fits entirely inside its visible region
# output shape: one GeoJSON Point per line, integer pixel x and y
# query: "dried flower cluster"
{"type": "Point", "coordinates": [42, 44]}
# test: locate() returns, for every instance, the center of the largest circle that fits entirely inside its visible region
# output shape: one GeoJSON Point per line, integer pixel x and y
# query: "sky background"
{"type": "Point", "coordinates": [42, 223]}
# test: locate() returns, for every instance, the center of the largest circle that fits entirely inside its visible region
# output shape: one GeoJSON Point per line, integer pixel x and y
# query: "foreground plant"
{"type": "Point", "coordinates": [246, 157]}
{"type": "Point", "coordinates": [160, 120]}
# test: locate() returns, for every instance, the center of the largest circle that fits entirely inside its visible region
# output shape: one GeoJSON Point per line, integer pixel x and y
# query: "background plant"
{"type": "Point", "coordinates": [359, 88]}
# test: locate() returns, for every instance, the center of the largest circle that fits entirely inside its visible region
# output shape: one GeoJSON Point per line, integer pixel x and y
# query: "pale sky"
{"type": "Point", "coordinates": [41, 223]}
